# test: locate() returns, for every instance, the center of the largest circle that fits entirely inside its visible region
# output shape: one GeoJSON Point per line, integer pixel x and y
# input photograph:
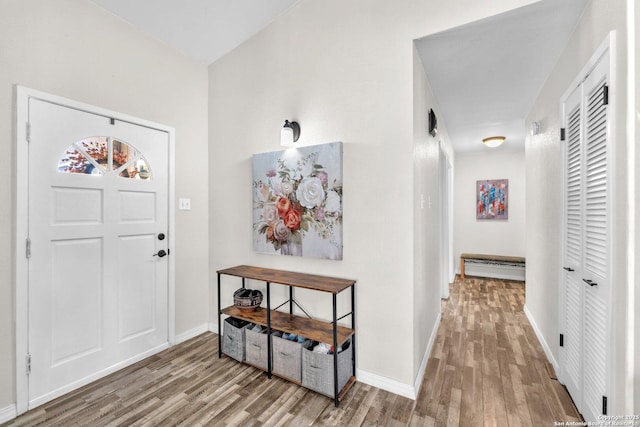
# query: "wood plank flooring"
{"type": "Point", "coordinates": [486, 369]}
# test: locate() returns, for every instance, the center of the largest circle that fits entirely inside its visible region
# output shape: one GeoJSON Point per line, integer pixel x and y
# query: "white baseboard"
{"type": "Point", "coordinates": [7, 414]}
{"type": "Point", "coordinates": [213, 327]}
{"type": "Point", "coordinates": [192, 333]}
{"type": "Point", "coordinates": [427, 353]}
{"type": "Point", "coordinates": [397, 387]}
{"type": "Point", "coordinates": [385, 383]}
{"type": "Point", "coordinates": [543, 342]}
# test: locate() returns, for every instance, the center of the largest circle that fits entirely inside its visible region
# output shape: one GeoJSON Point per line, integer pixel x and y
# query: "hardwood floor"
{"type": "Point", "coordinates": [486, 369]}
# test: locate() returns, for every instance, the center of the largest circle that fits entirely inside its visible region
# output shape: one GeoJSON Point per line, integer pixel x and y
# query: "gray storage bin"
{"type": "Point", "coordinates": [317, 370]}
{"type": "Point", "coordinates": [287, 358]}
{"type": "Point", "coordinates": [233, 339]}
{"type": "Point", "coordinates": [256, 348]}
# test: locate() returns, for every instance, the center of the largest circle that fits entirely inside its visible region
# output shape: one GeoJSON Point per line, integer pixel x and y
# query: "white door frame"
{"type": "Point", "coordinates": [23, 95]}
{"type": "Point", "coordinates": [446, 222]}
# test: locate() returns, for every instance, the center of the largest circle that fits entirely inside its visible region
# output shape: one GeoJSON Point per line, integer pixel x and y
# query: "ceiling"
{"type": "Point", "coordinates": [202, 29]}
{"type": "Point", "coordinates": [485, 75]}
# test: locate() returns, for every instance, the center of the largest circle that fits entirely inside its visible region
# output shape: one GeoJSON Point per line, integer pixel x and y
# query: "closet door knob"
{"type": "Point", "coordinates": [589, 282]}
{"type": "Point", "coordinates": [568, 268]}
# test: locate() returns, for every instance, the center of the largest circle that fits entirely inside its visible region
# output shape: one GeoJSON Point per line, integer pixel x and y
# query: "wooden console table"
{"type": "Point", "coordinates": [288, 322]}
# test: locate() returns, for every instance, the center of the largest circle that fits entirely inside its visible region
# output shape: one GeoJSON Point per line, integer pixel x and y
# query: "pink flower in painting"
{"type": "Point", "coordinates": [264, 189]}
{"type": "Point", "coordinates": [281, 232]}
{"type": "Point", "coordinates": [283, 205]}
{"type": "Point", "coordinates": [270, 213]}
{"type": "Point", "coordinates": [271, 173]}
{"type": "Point", "coordinates": [270, 232]}
{"type": "Point", "coordinates": [323, 177]}
{"type": "Point", "coordinates": [319, 214]}
{"type": "Point", "coordinates": [292, 219]}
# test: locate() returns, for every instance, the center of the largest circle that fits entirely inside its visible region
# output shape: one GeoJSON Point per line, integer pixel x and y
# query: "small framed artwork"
{"type": "Point", "coordinates": [492, 199]}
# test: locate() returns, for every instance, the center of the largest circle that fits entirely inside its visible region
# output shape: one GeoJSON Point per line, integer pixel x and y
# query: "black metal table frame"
{"type": "Point", "coordinates": [291, 303]}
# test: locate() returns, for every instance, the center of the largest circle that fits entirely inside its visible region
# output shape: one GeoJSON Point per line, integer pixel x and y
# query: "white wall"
{"type": "Point", "coordinates": [544, 178]}
{"type": "Point", "coordinates": [344, 71]}
{"type": "Point", "coordinates": [493, 237]}
{"type": "Point", "coordinates": [427, 216]}
{"type": "Point", "coordinates": [74, 49]}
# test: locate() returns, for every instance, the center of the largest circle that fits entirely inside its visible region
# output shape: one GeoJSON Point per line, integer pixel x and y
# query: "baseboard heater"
{"type": "Point", "coordinates": [493, 266]}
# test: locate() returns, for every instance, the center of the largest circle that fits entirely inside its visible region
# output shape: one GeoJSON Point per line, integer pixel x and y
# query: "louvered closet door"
{"type": "Point", "coordinates": [573, 284]}
{"type": "Point", "coordinates": [596, 241]}
{"type": "Point", "coordinates": [585, 357]}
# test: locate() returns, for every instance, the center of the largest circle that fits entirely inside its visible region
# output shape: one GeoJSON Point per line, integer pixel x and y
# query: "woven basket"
{"type": "Point", "coordinates": [317, 370]}
{"type": "Point", "coordinates": [247, 299]}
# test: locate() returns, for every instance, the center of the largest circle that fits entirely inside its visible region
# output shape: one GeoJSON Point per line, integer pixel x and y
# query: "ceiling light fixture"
{"type": "Point", "coordinates": [493, 141]}
{"type": "Point", "coordinates": [289, 134]}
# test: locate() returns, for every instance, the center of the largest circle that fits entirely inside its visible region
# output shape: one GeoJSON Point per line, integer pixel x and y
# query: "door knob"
{"type": "Point", "coordinates": [568, 269]}
{"type": "Point", "coordinates": [589, 282]}
{"type": "Point", "coordinates": [161, 236]}
{"type": "Point", "coordinates": [161, 253]}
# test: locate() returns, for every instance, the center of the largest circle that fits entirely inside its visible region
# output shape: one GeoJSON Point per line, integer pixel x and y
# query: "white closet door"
{"type": "Point", "coordinates": [596, 240]}
{"type": "Point", "coordinates": [586, 357]}
{"type": "Point", "coordinates": [573, 284]}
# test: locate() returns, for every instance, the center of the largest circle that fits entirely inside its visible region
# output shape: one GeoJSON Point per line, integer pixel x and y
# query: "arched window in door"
{"type": "Point", "coordinates": [101, 155]}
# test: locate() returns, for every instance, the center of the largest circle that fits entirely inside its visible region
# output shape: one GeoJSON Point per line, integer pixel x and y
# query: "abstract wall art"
{"type": "Point", "coordinates": [492, 199]}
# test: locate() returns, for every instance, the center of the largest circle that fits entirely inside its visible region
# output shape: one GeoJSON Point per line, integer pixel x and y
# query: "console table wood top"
{"type": "Point", "coordinates": [333, 285]}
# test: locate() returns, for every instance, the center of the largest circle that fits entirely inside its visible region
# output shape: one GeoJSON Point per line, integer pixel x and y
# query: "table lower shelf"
{"type": "Point", "coordinates": [352, 380]}
{"type": "Point", "coordinates": [312, 329]}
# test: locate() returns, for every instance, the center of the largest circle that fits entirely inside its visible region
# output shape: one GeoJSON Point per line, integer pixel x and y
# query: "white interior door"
{"type": "Point", "coordinates": [572, 309]}
{"type": "Point", "coordinates": [98, 219]}
{"type": "Point", "coordinates": [597, 250]}
{"type": "Point", "coordinates": [586, 306]}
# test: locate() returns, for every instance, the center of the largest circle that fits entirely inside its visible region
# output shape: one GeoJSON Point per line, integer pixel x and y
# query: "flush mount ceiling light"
{"type": "Point", "coordinates": [289, 134]}
{"type": "Point", "coordinates": [493, 141]}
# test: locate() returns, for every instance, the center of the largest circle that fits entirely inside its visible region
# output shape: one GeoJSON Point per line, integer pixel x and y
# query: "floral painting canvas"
{"type": "Point", "coordinates": [492, 199]}
{"type": "Point", "coordinates": [297, 201]}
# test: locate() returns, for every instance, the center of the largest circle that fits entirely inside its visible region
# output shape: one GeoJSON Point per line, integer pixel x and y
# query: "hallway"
{"type": "Point", "coordinates": [486, 365]}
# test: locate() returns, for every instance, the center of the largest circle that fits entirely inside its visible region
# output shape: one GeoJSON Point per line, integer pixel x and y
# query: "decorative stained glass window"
{"type": "Point", "coordinates": [102, 154]}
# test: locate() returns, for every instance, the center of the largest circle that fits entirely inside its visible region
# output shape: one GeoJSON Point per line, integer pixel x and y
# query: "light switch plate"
{"type": "Point", "coordinates": [184, 204]}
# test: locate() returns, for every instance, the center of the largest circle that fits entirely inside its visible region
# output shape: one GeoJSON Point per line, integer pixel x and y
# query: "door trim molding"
{"type": "Point", "coordinates": [22, 96]}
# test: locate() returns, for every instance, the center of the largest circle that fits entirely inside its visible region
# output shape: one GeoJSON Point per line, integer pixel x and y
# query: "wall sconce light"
{"type": "Point", "coordinates": [493, 141]}
{"type": "Point", "coordinates": [289, 134]}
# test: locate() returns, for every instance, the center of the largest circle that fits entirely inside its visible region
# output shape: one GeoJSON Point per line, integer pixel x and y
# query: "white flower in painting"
{"type": "Point", "coordinates": [310, 192]}
{"type": "Point", "coordinates": [286, 187]}
{"type": "Point", "coordinates": [333, 202]}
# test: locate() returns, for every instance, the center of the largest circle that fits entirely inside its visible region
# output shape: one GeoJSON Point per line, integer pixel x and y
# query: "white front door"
{"type": "Point", "coordinates": [98, 221]}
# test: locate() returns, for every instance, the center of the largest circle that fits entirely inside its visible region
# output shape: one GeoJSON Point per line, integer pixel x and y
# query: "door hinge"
{"type": "Point", "coordinates": [562, 134]}
{"type": "Point", "coordinates": [604, 405]}
{"type": "Point", "coordinates": [27, 131]}
{"type": "Point", "coordinates": [28, 248]}
{"type": "Point", "coordinates": [28, 363]}
{"type": "Point", "coordinates": [561, 340]}
{"type": "Point", "coordinates": [605, 95]}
